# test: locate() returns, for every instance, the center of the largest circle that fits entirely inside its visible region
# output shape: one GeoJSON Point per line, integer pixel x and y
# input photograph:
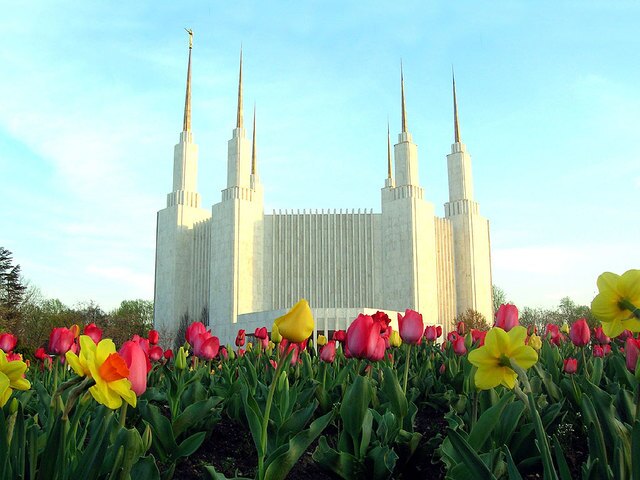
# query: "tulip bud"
{"type": "Point", "coordinates": [249, 346]}
{"type": "Point", "coordinates": [430, 333]}
{"type": "Point", "coordinates": [13, 406]}
{"type": "Point", "coordinates": [275, 334]}
{"type": "Point", "coordinates": [231, 352]}
{"type": "Point", "coordinates": [565, 328]}
{"type": "Point", "coordinates": [181, 359]}
{"type": "Point", "coordinates": [147, 438]}
{"type": "Point", "coordinates": [570, 366]}
{"type": "Point", "coordinates": [461, 328]}
{"type": "Point", "coordinates": [459, 347]}
{"type": "Point", "coordinates": [535, 341]}
{"type": "Point", "coordinates": [507, 317]}
{"type": "Point", "coordinates": [580, 333]}
{"type": "Point", "coordinates": [322, 340]}
{"type": "Point", "coordinates": [395, 340]}
{"type": "Point", "coordinates": [598, 351]}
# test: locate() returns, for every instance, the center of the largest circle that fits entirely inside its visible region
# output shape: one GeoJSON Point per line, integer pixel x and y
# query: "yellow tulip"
{"type": "Point", "coordinates": [322, 340]}
{"type": "Point", "coordinates": [565, 328]}
{"type": "Point", "coordinates": [297, 324]}
{"type": "Point", "coordinates": [616, 304]}
{"type": "Point", "coordinates": [108, 370]}
{"type": "Point", "coordinates": [11, 377]}
{"type": "Point", "coordinates": [249, 346]}
{"type": "Point", "coordinates": [494, 358]}
{"type": "Point", "coordinates": [275, 334]}
{"type": "Point", "coordinates": [394, 339]}
{"type": "Point", "coordinates": [535, 341]}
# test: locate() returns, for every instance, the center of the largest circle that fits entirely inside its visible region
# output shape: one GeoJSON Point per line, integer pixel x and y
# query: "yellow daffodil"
{"type": "Point", "coordinates": [494, 358]}
{"type": "Point", "coordinates": [297, 324]}
{"type": "Point", "coordinates": [11, 377]}
{"type": "Point", "coordinates": [108, 370]}
{"type": "Point", "coordinates": [617, 302]}
{"type": "Point", "coordinates": [322, 340]}
{"type": "Point", "coordinates": [535, 341]}
{"type": "Point", "coordinates": [394, 339]}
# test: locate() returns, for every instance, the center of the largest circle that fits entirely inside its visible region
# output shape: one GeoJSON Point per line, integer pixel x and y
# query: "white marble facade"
{"type": "Point", "coordinates": [237, 266]}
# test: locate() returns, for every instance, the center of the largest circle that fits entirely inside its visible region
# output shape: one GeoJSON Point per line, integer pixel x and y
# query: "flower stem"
{"type": "Point", "coordinates": [267, 412]}
{"type": "Point", "coordinates": [123, 414]}
{"type": "Point", "coordinates": [406, 369]}
{"type": "Point", "coordinates": [627, 305]}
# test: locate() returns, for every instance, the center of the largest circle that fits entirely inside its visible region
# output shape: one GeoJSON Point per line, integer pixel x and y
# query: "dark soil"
{"type": "Point", "coordinates": [425, 463]}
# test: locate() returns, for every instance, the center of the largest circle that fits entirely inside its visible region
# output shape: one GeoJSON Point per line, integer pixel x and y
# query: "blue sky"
{"type": "Point", "coordinates": [92, 98]}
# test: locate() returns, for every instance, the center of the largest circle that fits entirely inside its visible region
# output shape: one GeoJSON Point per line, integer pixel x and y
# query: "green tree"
{"type": "Point", "coordinates": [130, 318]}
{"type": "Point", "coordinates": [12, 290]}
{"type": "Point", "coordinates": [498, 296]}
{"type": "Point", "coordinates": [472, 319]}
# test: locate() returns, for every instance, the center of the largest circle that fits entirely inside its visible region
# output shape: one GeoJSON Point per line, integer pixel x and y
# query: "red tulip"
{"type": "Point", "coordinates": [40, 354]}
{"type": "Point", "coordinates": [60, 341]}
{"type": "Point", "coordinates": [452, 336]}
{"type": "Point", "coordinates": [443, 368]}
{"type": "Point", "coordinates": [340, 336]}
{"type": "Point", "coordinates": [459, 348]}
{"type": "Point", "coordinates": [193, 330]}
{"type": "Point", "coordinates": [438, 331]}
{"type": "Point", "coordinates": [240, 338]}
{"type": "Point", "coordinates": [554, 335]}
{"type": "Point", "coordinates": [7, 342]}
{"type": "Point", "coordinates": [262, 335]}
{"type": "Point", "coordinates": [460, 328]}
{"type": "Point", "coordinates": [410, 327]}
{"type": "Point", "coordinates": [168, 354]}
{"type": "Point", "coordinates": [631, 349]}
{"type": "Point", "coordinates": [328, 352]}
{"type": "Point", "coordinates": [580, 334]}
{"type": "Point", "coordinates": [600, 336]}
{"type": "Point", "coordinates": [430, 333]}
{"type": "Point", "coordinates": [206, 346]}
{"type": "Point", "coordinates": [364, 339]}
{"type": "Point", "coordinates": [624, 335]}
{"type": "Point", "coordinates": [241, 352]}
{"type": "Point", "coordinates": [155, 353]}
{"type": "Point", "coordinates": [507, 317]}
{"type": "Point", "coordinates": [478, 336]}
{"type": "Point", "coordinates": [606, 349]}
{"type": "Point", "coordinates": [94, 332]}
{"type": "Point", "coordinates": [598, 351]}
{"type": "Point", "coordinates": [570, 366]}
{"type": "Point", "coordinates": [136, 360]}
{"type": "Point", "coordinates": [223, 353]}
{"type": "Point", "coordinates": [154, 337]}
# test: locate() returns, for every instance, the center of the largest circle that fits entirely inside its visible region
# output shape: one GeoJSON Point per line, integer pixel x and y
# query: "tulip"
{"type": "Point", "coordinates": [564, 328]}
{"type": "Point", "coordinates": [7, 342]}
{"type": "Point", "coordinates": [442, 369]}
{"type": "Point", "coordinates": [241, 352]}
{"type": "Point", "coordinates": [206, 346]}
{"type": "Point", "coordinates": [535, 341]}
{"type": "Point", "coordinates": [40, 354]}
{"type": "Point", "coordinates": [75, 329]}
{"type": "Point", "coordinates": [606, 349]}
{"type": "Point", "coordinates": [631, 349]}
{"type": "Point", "coordinates": [136, 361]}
{"type": "Point", "coordinates": [570, 366]}
{"type": "Point", "coordinates": [411, 327]}
{"type": "Point", "coordinates": [297, 324]}
{"type": "Point", "coordinates": [155, 353]}
{"type": "Point", "coordinates": [624, 335]}
{"type": "Point", "coordinates": [154, 337]}
{"type": "Point", "coordinates": [364, 339]}
{"type": "Point", "coordinates": [181, 359]}
{"type": "Point", "coordinates": [438, 331]}
{"type": "Point", "coordinates": [249, 346]}
{"type": "Point", "coordinates": [224, 353]}
{"type": "Point", "coordinates": [554, 335]}
{"type": "Point", "coordinates": [395, 340]}
{"type": "Point", "coordinates": [430, 333]}
{"type": "Point", "coordinates": [459, 347]}
{"type": "Point", "coordinates": [507, 317]}
{"type": "Point", "coordinates": [532, 330]}
{"type": "Point", "coordinates": [328, 352]}
{"type": "Point", "coordinates": [580, 334]}
{"type": "Point", "coordinates": [321, 341]}
{"type": "Point", "coordinates": [94, 332]}
{"type": "Point", "coordinates": [193, 330]}
{"type": "Point", "coordinates": [12, 378]}
{"type": "Point", "coordinates": [478, 336]}
{"type": "Point", "coordinates": [275, 334]}
{"type": "Point", "coordinates": [452, 336]}
{"type": "Point", "coordinates": [260, 333]}
{"type": "Point", "coordinates": [240, 337]}
{"type": "Point", "coordinates": [460, 328]}
{"type": "Point", "coordinates": [598, 351]}
{"type": "Point", "coordinates": [168, 354]}
{"type": "Point", "coordinates": [60, 341]}
{"type": "Point", "coordinates": [600, 336]}
{"type": "Point", "coordinates": [340, 336]}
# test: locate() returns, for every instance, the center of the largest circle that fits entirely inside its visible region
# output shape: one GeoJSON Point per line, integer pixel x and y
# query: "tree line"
{"type": "Point", "coordinates": [26, 313]}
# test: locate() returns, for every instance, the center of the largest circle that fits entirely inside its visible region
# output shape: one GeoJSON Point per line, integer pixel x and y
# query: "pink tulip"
{"type": "Point", "coordinates": [155, 353]}
{"type": "Point", "coordinates": [554, 335]}
{"type": "Point", "coordinates": [154, 337]}
{"type": "Point", "coordinates": [136, 360]}
{"type": "Point", "coordinates": [598, 351]}
{"type": "Point", "coordinates": [193, 330]}
{"type": "Point", "coordinates": [206, 346]}
{"type": "Point", "coordinates": [452, 336]}
{"type": "Point", "coordinates": [328, 352]}
{"type": "Point", "coordinates": [364, 339]}
{"type": "Point", "coordinates": [411, 327]}
{"type": "Point", "coordinates": [600, 336]}
{"type": "Point", "coordinates": [478, 336]}
{"type": "Point", "coordinates": [507, 317]}
{"type": "Point", "coordinates": [223, 353]}
{"type": "Point", "coordinates": [580, 334]}
{"type": "Point", "coordinates": [631, 349]}
{"type": "Point", "coordinates": [430, 333]}
{"type": "Point", "coordinates": [7, 342]}
{"type": "Point", "coordinates": [460, 328]}
{"type": "Point", "coordinates": [624, 335]}
{"type": "Point", "coordinates": [570, 366]}
{"type": "Point", "coordinates": [94, 332]}
{"type": "Point", "coordinates": [459, 348]}
{"type": "Point", "coordinates": [60, 341]}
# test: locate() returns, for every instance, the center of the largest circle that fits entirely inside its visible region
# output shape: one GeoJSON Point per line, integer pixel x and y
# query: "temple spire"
{"type": "Point", "coordinates": [239, 121]}
{"type": "Point", "coordinates": [253, 150]}
{"type": "Point", "coordinates": [404, 109]}
{"type": "Point", "coordinates": [388, 152]}
{"type": "Point", "coordinates": [186, 124]}
{"type": "Point", "coordinates": [456, 124]}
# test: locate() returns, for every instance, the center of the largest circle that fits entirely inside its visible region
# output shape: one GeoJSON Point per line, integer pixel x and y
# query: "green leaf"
{"type": "Point", "coordinates": [254, 417]}
{"type": "Point", "coordinates": [343, 464]}
{"type": "Point", "coordinates": [509, 423]}
{"type": "Point", "coordinates": [215, 475]}
{"type": "Point", "coordinates": [469, 456]}
{"type": "Point", "coordinates": [563, 467]}
{"type": "Point", "coordinates": [278, 466]}
{"type": "Point", "coordinates": [392, 390]}
{"type": "Point", "coordinates": [297, 421]}
{"type": "Point", "coordinates": [164, 443]}
{"type": "Point", "coordinates": [485, 425]}
{"type": "Point", "coordinates": [512, 470]}
{"type": "Point", "coordinates": [193, 414]}
{"type": "Point", "coordinates": [635, 451]}
{"type": "Point", "coordinates": [145, 469]}
{"type": "Point", "coordinates": [384, 461]}
{"type": "Point", "coordinates": [190, 445]}
{"type": "Point", "coordinates": [354, 408]}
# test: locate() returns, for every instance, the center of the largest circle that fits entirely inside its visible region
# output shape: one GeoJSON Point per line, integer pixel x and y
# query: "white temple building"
{"type": "Point", "coordinates": [236, 266]}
